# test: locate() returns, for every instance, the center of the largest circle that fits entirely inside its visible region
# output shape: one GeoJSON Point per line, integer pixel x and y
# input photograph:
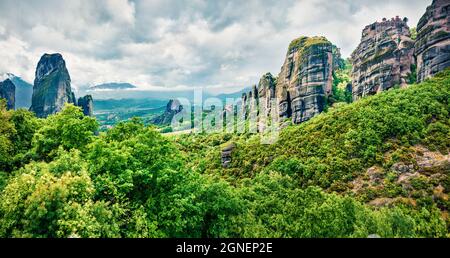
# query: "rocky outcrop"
{"type": "Point", "coordinates": [266, 91]}
{"type": "Point", "coordinates": [173, 107]}
{"type": "Point", "coordinates": [432, 47]}
{"type": "Point", "coordinates": [423, 169]}
{"type": "Point", "coordinates": [249, 102]}
{"type": "Point", "coordinates": [384, 57]}
{"type": "Point", "coordinates": [8, 92]}
{"type": "Point", "coordinates": [253, 101]}
{"type": "Point", "coordinates": [51, 88]}
{"type": "Point", "coordinates": [24, 90]}
{"type": "Point", "coordinates": [244, 106]}
{"type": "Point", "coordinates": [226, 155]}
{"type": "Point", "coordinates": [305, 79]}
{"type": "Point", "coordinates": [304, 83]}
{"type": "Point", "coordinates": [87, 105]}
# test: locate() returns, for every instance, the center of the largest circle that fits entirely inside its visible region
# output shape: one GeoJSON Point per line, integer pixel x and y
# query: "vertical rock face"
{"type": "Point", "coordinates": [304, 83]}
{"type": "Point", "coordinates": [24, 90]}
{"type": "Point", "coordinates": [87, 105]}
{"type": "Point", "coordinates": [226, 155]}
{"type": "Point", "coordinates": [8, 92]}
{"type": "Point", "coordinates": [266, 91]}
{"type": "Point", "coordinates": [384, 57]}
{"type": "Point", "coordinates": [253, 100]}
{"type": "Point", "coordinates": [244, 105]}
{"type": "Point", "coordinates": [305, 78]}
{"type": "Point", "coordinates": [432, 47]}
{"type": "Point", "coordinates": [51, 86]}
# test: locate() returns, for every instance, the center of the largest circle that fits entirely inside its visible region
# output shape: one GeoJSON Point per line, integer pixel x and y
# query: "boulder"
{"type": "Point", "coordinates": [226, 155]}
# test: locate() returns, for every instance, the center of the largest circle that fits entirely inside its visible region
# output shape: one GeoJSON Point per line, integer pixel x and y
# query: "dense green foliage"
{"type": "Point", "coordinates": [60, 177]}
{"type": "Point", "coordinates": [334, 149]}
{"type": "Point", "coordinates": [341, 88]}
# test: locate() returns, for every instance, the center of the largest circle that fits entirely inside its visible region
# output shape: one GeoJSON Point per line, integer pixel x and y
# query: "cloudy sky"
{"type": "Point", "coordinates": [173, 44]}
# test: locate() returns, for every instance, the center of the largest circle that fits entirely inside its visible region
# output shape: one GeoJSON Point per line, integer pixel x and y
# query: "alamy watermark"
{"type": "Point", "coordinates": [234, 115]}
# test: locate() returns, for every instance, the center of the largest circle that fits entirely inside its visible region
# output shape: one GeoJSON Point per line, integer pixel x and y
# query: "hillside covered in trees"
{"type": "Point", "coordinates": [376, 166]}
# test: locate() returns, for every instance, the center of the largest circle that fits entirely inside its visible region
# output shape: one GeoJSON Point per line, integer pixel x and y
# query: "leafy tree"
{"type": "Point", "coordinates": [69, 129]}
{"type": "Point", "coordinates": [38, 202]}
{"type": "Point", "coordinates": [413, 32]}
{"type": "Point", "coordinates": [7, 132]}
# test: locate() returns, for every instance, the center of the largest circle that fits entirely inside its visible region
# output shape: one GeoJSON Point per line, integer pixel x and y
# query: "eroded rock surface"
{"type": "Point", "coordinates": [173, 107]}
{"type": "Point", "coordinates": [305, 78]}
{"type": "Point", "coordinates": [266, 92]}
{"type": "Point", "coordinates": [8, 92]}
{"type": "Point", "coordinates": [87, 105]}
{"type": "Point", "coordinates": [383, 58]}
{"type": "Point", "coordinates": [432, 47]}
{"type": "Point", "coordinates": [51, 86]}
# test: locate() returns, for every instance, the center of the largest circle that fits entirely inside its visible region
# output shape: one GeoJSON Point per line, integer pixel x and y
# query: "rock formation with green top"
{"type": "Point", "coordinates": [51, 86]}
{"type": "Point", "coordinates": [305, 79]}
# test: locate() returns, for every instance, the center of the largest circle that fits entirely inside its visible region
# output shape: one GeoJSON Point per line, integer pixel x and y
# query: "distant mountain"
{"type": "Point", "coordinates": [111, 111]}
{"type": "Point", "coordinates": [120, 91]}
{"type": "Point", "coordinates": [123, 104]}
{"type": "Point", "coordinates": [138, 94]}
{"type": "Point", "coordinates": [233, 95]}
{"type": "Point", "coordinates": [113, 86]}
{"type": "Point", "coordinates": [24, 90]}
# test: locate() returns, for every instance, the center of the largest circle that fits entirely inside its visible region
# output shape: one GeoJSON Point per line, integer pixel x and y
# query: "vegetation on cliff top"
{"type": "Point", "coordinates": [304, 42]}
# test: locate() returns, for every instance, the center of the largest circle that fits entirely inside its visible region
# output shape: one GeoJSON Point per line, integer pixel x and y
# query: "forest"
{"type": "Point", "coordinates": [61, 177]}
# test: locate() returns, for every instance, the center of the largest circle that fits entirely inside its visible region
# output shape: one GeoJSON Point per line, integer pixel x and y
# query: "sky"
{"type": "Point", "coordinates": [175, 45]}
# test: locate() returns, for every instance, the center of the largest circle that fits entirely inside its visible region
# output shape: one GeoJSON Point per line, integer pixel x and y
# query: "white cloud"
{"type": "Point", "coordinates": [176, 44]}
{"type": "Point", "coordinates": [16, 54]}
{"type": "Point", "coordinates": [122, 11]}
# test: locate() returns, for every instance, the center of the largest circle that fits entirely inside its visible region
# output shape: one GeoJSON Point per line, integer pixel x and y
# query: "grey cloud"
{"type": "Point", "coordinates": [175, 43]}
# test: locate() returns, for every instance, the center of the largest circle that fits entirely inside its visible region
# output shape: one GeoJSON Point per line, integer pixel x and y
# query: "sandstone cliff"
{"type": "Point", "coordinates": [87, 105]}
{"type": "Point", "coordinates": [383, 58]}
{"type": "Point", "coordinates": [244, 106]}
{"type": "Point", "coordinates": [432, 47]}
{"type": "Point", "coordinates": [8, 92]}
{"type": "Point", "coordinates": [302, 86]}
{"type": "Point", "coordinates": [266, 91]}
{"type": "Point", "coordinates": [305, 78]}
{"type": "Point", "coordinates": [51, 86]}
